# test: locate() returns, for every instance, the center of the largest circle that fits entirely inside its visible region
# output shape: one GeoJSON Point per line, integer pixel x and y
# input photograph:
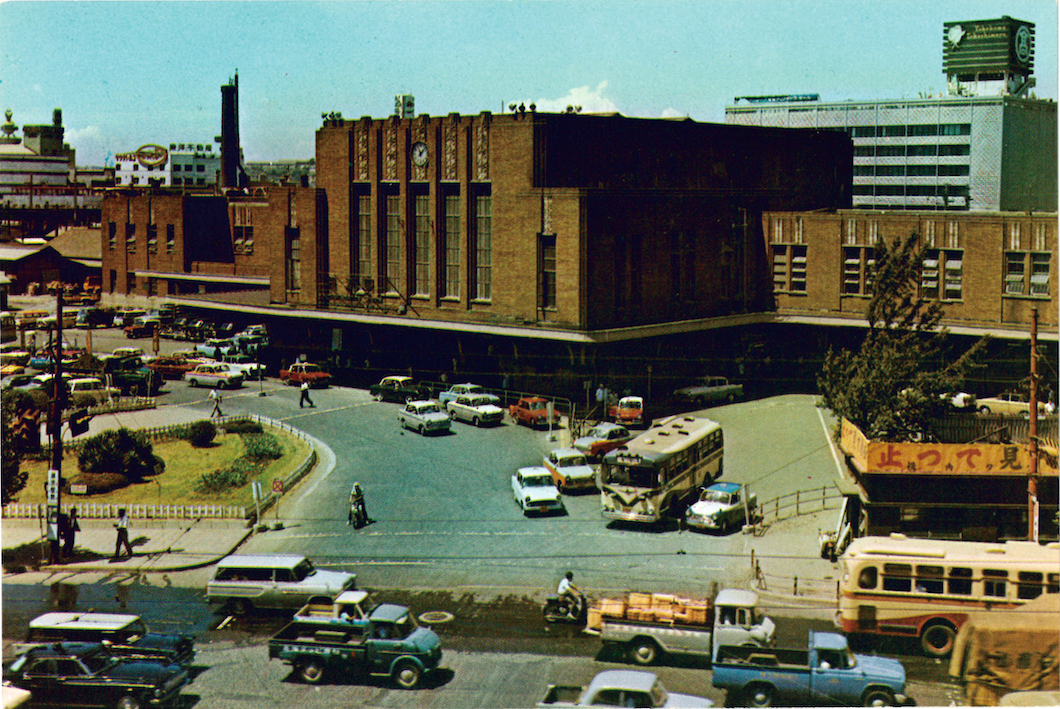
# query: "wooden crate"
{"type": "Point", "coordinates": [594, 618]}
{"type": "Point", "coordinates": [613, 608]}
{"type": "Point", "coordinates": [642, 600]}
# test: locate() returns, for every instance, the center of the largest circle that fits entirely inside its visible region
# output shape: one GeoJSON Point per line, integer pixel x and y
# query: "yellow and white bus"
{"type": "Point", "coordinates": [926, 588]}
{"type": "Point", "coordinates": [660, 468]}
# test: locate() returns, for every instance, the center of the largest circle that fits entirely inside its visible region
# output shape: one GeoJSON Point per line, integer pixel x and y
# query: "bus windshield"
{"type": "Point", "coordinates": [632, 475]}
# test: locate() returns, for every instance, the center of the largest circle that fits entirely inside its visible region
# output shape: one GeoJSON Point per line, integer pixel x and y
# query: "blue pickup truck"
{"type": "Point", "coordinates": [825, 673]}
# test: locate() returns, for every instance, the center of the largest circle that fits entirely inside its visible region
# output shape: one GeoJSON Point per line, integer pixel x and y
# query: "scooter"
{"type": "Point", "coordinates": [562, 610]}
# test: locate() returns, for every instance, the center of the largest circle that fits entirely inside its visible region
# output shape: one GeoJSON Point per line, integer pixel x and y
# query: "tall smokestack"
{"type": "Point", "coordinates": [232, 174]}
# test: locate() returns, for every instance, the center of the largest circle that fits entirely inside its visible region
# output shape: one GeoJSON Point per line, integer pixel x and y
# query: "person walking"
{"type": "Point", "coordinates": [215, 397]}
{"type": "Point", "coordinates": [72, 528]}
{"type": "Point", "coordinates": [122, 525]}
{"type": "Point", "coordinates": [305, 396]}
{"type": "Point", "coordinates": [358, 516]}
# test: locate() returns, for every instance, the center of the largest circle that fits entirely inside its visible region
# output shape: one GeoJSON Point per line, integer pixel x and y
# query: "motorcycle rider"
{"type": "Point", "coordinates": [569, 593]}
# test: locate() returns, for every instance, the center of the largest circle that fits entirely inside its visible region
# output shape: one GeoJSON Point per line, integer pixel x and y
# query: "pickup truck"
{"type": "Point", "coordinates": [348, 607]}
{"type": "Point", "coordinates": [397, 389]}
{"type": "Point", "coordinates": [305, 372]}
{"type": "Point", "coordinates": [710, 391]}
{"type": "Point", "coordinates": [826, 672]}
{"type": "Point", "coordinates": [732, 619]}
{"type": "Point", "coordinates": [390, 643]}
{"type": "Point", "coordinates": [532, 411]}
{"type": "Point", "coordinates": [619, 688]}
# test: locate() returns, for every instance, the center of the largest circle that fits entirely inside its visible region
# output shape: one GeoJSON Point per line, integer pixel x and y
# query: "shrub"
{"type": "Point", "coordinates": [262, 446]}
{"type": "Point", "coordinates": [242, 427]}
{"type": "Point", "coordinates": [128, 453]}
{"type": "Point", "coordinates": [201, 433]}
{"type": "Point", "coordinates": [219, 481]}
{"type": "Point", "coordinates": [99, 483]}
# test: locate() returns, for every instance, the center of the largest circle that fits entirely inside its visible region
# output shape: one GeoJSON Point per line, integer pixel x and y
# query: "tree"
{"type": "Point", "coordinates": [12, 477]}
{"type": "Point", "coordinates": [900, 382]}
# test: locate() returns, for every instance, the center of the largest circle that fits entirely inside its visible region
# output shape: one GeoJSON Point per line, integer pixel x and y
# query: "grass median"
{"type": "Point", "coordinates": [184, 467]}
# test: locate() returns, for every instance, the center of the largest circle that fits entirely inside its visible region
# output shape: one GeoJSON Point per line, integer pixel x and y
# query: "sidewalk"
{"type": "Point", "coordinates": [158, 545]}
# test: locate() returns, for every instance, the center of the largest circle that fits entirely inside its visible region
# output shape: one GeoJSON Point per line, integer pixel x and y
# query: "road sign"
{"type": "Point", "coordinates": [53, 487]}
{"type": "Point", "coordinates": [277, 485]}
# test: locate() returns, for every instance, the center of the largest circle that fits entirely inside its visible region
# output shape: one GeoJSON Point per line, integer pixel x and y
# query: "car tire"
{"type": "Point", "coordinates": [984, 409]}
{"type": "Point", "coordinates": [406, 674]}
{"type": "Point", "coordinates": [242, 607]}
{"type": "Point", "coordinates": [128, 702]}
{"type": "Point", "coordinates": [311, 671]}
{"type": "Point", "coordinates": [643, 651]}
{"type": "Point", "coordinates": [878, 698]}
{"type": "Point", "coordinates": [759, 695]}
{"type": "Point", "coordinates": [476, 422]}
{"type": "Point", "coordinates": [193, 382]}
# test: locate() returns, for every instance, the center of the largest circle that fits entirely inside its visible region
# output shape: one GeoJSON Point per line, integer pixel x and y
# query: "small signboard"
{"type": "Point", "coordinates": [79, 489]}
{"type": "Point", "coordinates": [53, 487]}
{"type": "Point", "coordinates": [277, 485]}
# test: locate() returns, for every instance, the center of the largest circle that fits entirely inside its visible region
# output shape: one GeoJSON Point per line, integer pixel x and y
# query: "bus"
{"type": "Point", "coordinates": [925, 588]}
{"type": "Point", "coordinates": [661, 468]}
{"type": "Point", "coordinates": [8, 328]}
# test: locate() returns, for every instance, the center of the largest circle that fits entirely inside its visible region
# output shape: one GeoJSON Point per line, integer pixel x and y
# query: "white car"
{"type": "Point", "coordinates": [215, 376]}
{"type": "Point", "coordinates": [466, 389]}
{"type": "Point", "coordinates": [535, 492]}
{"type": "Point", "coordinates": [570, 469]}
{"type": "Point", "coordinates": [244, 365]}
{"type": "Point", "coordinates": [424, 416]}
{"type": "Point", "coordinates": [476, 409]}
{"type": "Point", "coordinates": [92, 388]}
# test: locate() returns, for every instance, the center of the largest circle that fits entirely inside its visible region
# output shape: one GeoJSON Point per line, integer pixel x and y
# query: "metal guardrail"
{"type": "Point", "coordinates": [800, 502]}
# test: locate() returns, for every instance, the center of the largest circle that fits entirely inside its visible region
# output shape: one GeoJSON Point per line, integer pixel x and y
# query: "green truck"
{"type": "Point", "coordinates": [390, 643]}
{"type": "Point", "coordinates": [126, 373]}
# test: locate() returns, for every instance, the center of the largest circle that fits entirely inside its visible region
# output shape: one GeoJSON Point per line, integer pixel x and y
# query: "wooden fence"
{"type": "Point", "coordinates": [97, 510]}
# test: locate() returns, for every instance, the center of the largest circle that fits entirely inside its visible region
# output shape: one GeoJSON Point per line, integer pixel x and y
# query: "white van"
{"type": "Point", "coordinates": [285, 581]}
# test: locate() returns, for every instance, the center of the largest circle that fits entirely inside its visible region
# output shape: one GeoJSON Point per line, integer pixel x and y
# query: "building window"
{"type": "Point", "coordinates": [1027, 273]}
{"type": "Point", "coordinates": [955, 129]}
{"type": "Point", "coordinates": [450, 247]}
{"type": "Point", "coordinates": [243, 231]}
{"type": "Point", "coordinates": [959, 149]}
{"type": "Point", "coordinates": [858, 264]}
{"type": "Point", "coordinates": [112, 235]}
{"type": "Point", "coordinates": [392, 243]}
{"type": "Point", "coordinates": [294, 258]}
{"type": "Point", "coordinates": [789, 268]}
{"type": "Point", "coordinates": [364, 235]}
{"type": "Point", "coordinates": [130, 238]}
{"type": "Point", "coordinates": [152, 238]}
{"type": "Point", "coordinates": [942, 274]}
{"type": "Point", "coordinates": [171, 238]}
{"type": "Point", "coordinates": [422, 245]}
{"type": "Point", "coordinates": [547, 272]}
{"type": "Point", "coordinates": [483, 239]}
{"type": "Point", "coordinates": [130, 282]}
{"type": "Point", "coordinates": [925, 151]}
{"type": "Point", "coordinates": [953, 170]}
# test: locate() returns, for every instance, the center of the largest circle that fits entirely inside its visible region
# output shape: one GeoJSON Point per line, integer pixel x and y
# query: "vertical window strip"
{"type": "Point", "coordinates": [798, 268]}
{"type": "Point", "coordinates": [954, 274]}
{"type": "Point", "coordinates": [422, 243]}
{"type": "Point", "coordinates": [780, 267]}
{"type": "Point", "coordinates": [929, 274]}
{"type": "Point", "coordinates": [547, 294]}
{"type": "Point", "coordinates": [130, 238]}
{"type": "Point", "coordinates": [393, 242]}
{"type": "Point", "coordinates": [294, 259]}
{"type": "Point", "coordinates": [483, 247]}
{"type": "Point", "coordinates": [171, 238]}
{"type": "Point", "coordinates": [364, 236]}
{"type": "Point", "coordinates": [451, 248]}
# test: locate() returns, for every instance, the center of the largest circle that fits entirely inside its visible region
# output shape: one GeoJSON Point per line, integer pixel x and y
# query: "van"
{"type": "Point", "coordinates": [283, 581]}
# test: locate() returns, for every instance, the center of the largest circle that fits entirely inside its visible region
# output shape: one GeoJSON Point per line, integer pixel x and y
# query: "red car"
{"type": "Point", "coordinates": [305, 372]}
{"type": "Point", "coordinates": [171, 367]}
{"type": "Point", "coordinates": [533, 411]}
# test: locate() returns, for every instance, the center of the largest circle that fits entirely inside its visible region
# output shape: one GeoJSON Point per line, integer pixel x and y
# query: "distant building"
{"type": "Point", "coordinates": [276, 172]}
{"type": "Point", "coordinates": [194, 165]}
{"type": "Point", "coordinates": [983, 147]}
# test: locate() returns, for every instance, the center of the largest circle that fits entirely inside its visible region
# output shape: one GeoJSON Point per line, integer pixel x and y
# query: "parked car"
{"type": "Point", "coordinates": [143, 327]}
{"type": "Point", "coordinates": [244, 364]}
{"type": "Point", "coordinates": [1012, 403]}
{"type": "Point", "coordinates": [126, 316]}
{"type": "Point", "coordinates": [91, 388]}
{"type": "Point", "coordinates": [570, 469]}
{"type": "Point", "coordinates": [721, 506]}
{"type": "Point", "coordinates": [122, 352]}
{"type": "Point", "coordinates": [535, 492]}
{"type": "Point", "coordinates": [123, 635]}
{"type": "Point", "coordinates": [286, 581]}
{"type": "Point", "coordinates": [398, 389]}
{"type": "Point", "coordinates": [476, 409]}
{"type": "Point", "coordinates": [466, 389]}
{"type": "Point", "coordinates": [533, 411]}
{"type": "Point", "coordinates": [57, 672]}
{"type": "Point", "coordinates": [214, 376]}
{"type": "Point", "coordinates": [9, 369]}
{"type": "Point", "coordinates": [424, 416]}
{"type": "Point", "coordinates": [710, 390]}
{"type": "Point", "coordinates": [305, 372]}
{"type": "Point", "coordinates": [602, 438]}
{"type": "Point", "coordinates": [619, 688]}
{"type": "Point", "coordinates": [216, 348]}
{"type": "Point", "coordinates": [12, 353]}
{"type": "Point", "coordinates": [172, 367]}
{"type": "Point", "coordinates": [629, 411]}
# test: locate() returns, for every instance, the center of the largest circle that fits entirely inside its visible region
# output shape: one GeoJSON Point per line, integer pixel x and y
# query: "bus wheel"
{"type": "Point", "coordinates": [759, 695]}
{"type": "Point", "coordinates": [937, 639]}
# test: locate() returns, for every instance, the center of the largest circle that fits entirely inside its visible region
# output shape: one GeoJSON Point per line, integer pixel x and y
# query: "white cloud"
{"type": "Point", "coordinates": [673, 113]}
{"type": "Point", "coordinates": [89, 144]}
{"type": "Point", "coordinates": [591, 101]}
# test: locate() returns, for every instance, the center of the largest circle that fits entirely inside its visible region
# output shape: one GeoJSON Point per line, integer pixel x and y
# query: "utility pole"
{"type": "Point", "coordinates": [1032, 477]}
{"type": "Point", "coordinates": [55, 425]}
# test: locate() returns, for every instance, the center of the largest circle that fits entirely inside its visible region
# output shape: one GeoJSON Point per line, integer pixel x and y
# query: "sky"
{"type": "Point", "coordinates": [130, 73]}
